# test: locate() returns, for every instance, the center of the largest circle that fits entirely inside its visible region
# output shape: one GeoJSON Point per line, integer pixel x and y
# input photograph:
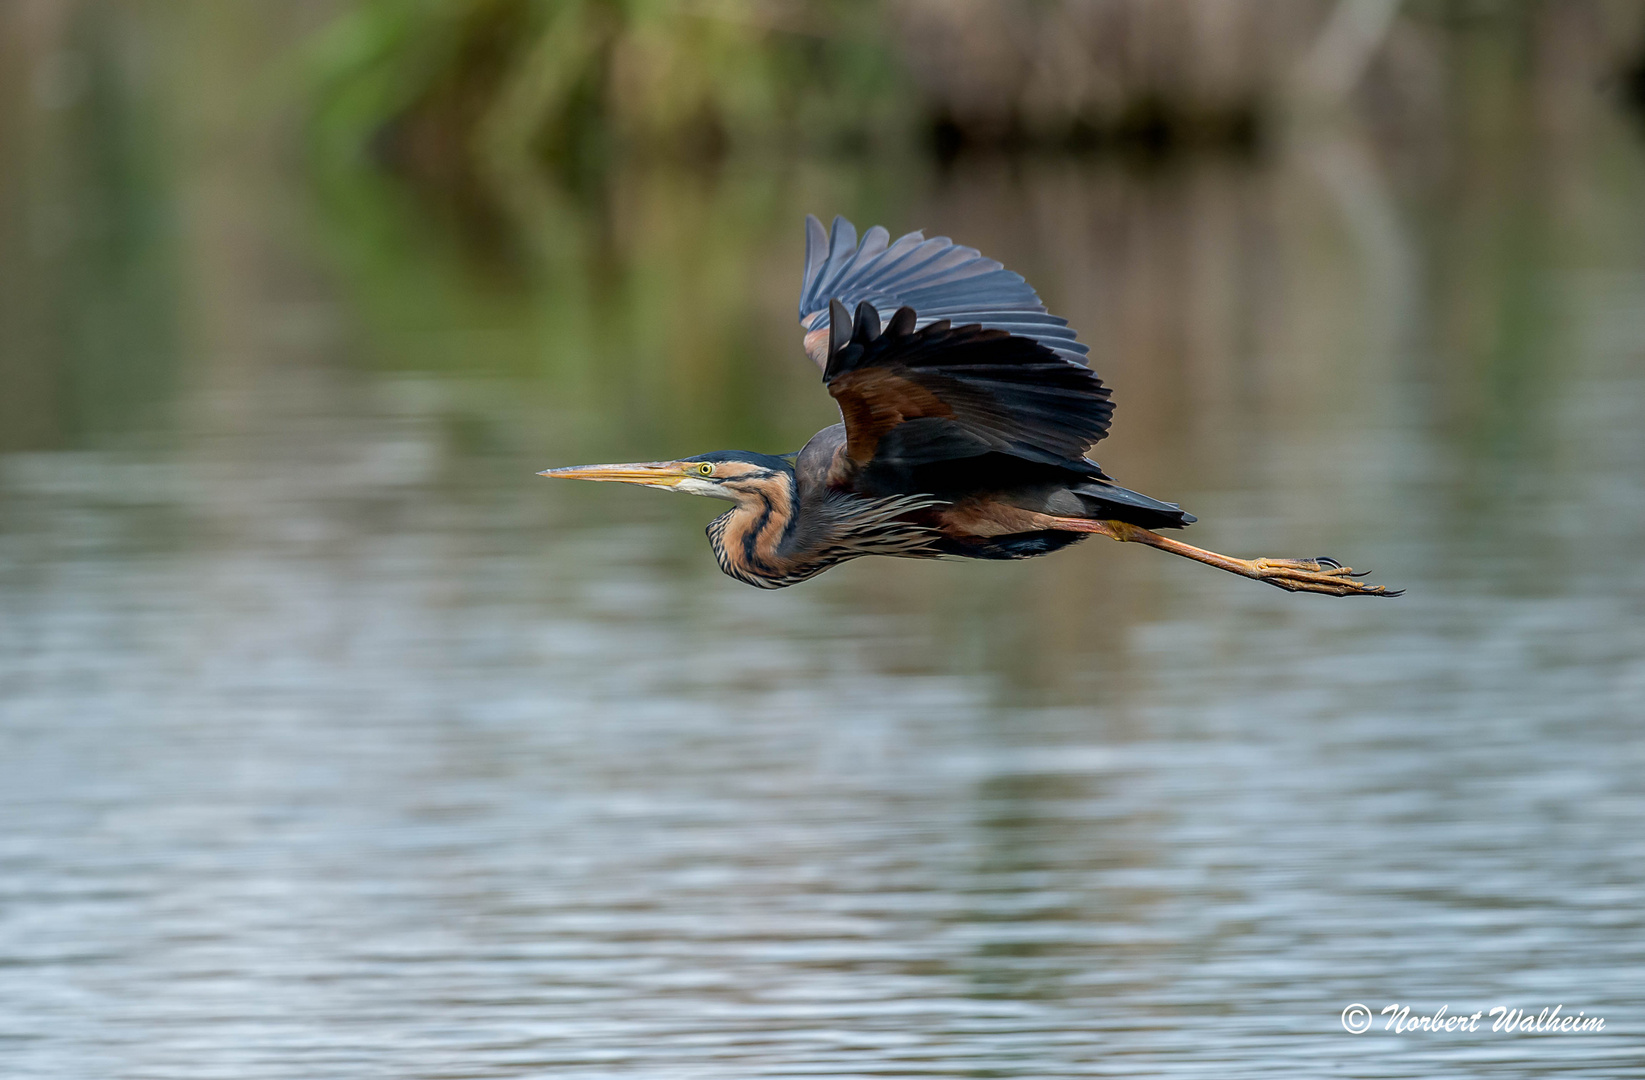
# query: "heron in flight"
{"type": "Point", "coordinates": [966, 412]}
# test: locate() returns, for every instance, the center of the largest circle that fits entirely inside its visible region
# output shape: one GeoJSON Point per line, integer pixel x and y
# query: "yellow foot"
{"type": "Point", "coordinates": [1321, 575]}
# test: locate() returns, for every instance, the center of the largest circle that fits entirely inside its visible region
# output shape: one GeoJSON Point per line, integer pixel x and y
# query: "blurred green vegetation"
{"type": "Point", "coordinates": [441, 87]}
{"type": "Point", "coordinates": [87, 251]}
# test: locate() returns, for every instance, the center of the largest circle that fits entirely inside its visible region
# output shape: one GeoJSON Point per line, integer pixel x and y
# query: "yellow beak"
{"type": "Point", "coordinates": [651, 473]}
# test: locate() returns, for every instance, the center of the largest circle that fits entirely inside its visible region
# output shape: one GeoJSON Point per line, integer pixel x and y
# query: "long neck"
{"type": "Point", "coordinates": [755, 540]}
{"type": "Point", "coordinates": [776, 537]}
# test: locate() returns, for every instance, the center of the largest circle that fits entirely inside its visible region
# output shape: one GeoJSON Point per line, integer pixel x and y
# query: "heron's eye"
{"type": "Point", "coordinates": [706, 469]}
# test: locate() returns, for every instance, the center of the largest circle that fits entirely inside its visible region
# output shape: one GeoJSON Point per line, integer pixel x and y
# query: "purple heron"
{"type": "Point", "coordinates": [966, 414]}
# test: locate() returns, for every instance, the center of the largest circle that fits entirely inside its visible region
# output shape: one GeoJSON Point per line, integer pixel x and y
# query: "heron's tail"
{"type": "Point", "coordinates": [1115, 503]}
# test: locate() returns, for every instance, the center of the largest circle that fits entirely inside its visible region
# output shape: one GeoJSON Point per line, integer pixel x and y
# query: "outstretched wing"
{"type": "Point", "coordinates": [935, 277]}
{"type": "Point", "coordinates": [914, 395]}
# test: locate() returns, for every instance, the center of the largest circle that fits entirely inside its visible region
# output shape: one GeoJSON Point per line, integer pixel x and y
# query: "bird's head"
{"type": "Point", "coordinates": [735, 475]}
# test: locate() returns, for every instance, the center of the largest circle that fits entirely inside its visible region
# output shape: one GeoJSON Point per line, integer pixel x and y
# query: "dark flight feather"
{"type": "Point", "coordinates": [935, 277]}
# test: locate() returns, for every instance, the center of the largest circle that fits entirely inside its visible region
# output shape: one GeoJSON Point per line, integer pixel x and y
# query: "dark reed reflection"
{"type": "Point", "coordinates": [333, 742]}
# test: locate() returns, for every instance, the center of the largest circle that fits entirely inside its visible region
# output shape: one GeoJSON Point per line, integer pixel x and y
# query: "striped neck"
{"type": "Point", "coordinates": [764, 542]}
{"type": "Point", "coordinates": [752, 541]}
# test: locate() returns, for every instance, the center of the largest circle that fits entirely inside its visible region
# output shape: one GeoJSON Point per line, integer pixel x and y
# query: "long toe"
{"type": "Point", "coordinates": [1321, 565]}
{"type": "Point", "coordinates": [1322, 575]}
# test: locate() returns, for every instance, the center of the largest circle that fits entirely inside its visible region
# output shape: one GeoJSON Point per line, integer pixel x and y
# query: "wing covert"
{"type": "Point", "coordinates": [913, 395]}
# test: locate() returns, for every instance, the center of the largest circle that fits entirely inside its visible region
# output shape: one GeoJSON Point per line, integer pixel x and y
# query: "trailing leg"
{"type": "Point", "coordinates": [1321, 575]}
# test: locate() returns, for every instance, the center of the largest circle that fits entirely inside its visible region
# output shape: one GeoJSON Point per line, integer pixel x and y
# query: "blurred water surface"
{"type": "Point", "coordinates": [334, 743]}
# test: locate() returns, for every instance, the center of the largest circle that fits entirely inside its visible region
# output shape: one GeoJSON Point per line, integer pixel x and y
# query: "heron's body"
{"type": "Point", "coordinates": [966, 418]}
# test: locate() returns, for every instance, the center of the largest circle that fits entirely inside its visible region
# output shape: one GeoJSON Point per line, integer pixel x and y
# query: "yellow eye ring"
{"type": "Point", "coordinates": [706, 468]}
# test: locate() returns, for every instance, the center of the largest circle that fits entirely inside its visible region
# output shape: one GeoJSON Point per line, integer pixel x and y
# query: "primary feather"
{"type": "Point", "coordinates": [937, 278]}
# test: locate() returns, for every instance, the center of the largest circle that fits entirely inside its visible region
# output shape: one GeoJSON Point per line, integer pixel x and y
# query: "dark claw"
{"type": "Point", "coordinates": [1395, 592]}
{"type": "Point", "coordinates": [1360, 573]}
{"type": "Point", "coordinates": [1326, 560]}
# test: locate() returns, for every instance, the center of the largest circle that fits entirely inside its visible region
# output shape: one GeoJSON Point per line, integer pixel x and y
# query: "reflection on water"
{"type": "Point", "coordinates": [333, 743]}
